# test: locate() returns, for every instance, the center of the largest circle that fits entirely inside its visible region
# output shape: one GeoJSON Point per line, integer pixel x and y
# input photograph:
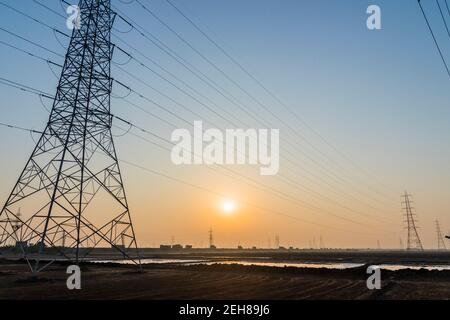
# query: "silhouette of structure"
{"type": "Point", "coordinates": [413, 242]}
{"type": "Point", "coordinates": [71, 190]}
{"type": "Point", "coordinates": [211, 239]}
{"type": "Point", "coordinates": [17, 223]}
{"type": "Point", "coordinates": [277, 242]}
{"type": "Point", "coordinates": [321, 243]}
{"type": "Point", "coordinates": [440, 237]}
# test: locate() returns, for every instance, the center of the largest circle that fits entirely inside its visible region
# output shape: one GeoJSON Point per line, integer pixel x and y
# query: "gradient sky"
{"type": "Point", "coordinates": [379, 97]}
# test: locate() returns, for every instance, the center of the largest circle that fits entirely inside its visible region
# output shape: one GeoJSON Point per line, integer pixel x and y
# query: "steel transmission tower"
{"type": "Point", "coordinates": [413, 242]}
{"type": "Point", "coordinates": [71, 190]}
{"type": "Point", "coordinates": [440, 237]}
{"type": "Point", "coordinates": [211, 239]}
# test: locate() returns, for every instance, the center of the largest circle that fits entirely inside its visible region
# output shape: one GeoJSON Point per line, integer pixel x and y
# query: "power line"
{"type": "Point", "coordinates": [443, 18]}
{"type": "Point", "coordinates": [134, 24]}
{"type": "Point", "coordinates": [272, 190]}
{"type": "Point", "coordinates": [200, 187]}
{"type": "Point", "coordinates": [157, 44]}
{"type": "Point", "coordinates": [31, 42]}
{"type": "Point", "coordinates": [142, 81]}
{"type": "Point", "coordinates": [434, 38]}
{"type": "Point", "coordinates": [49, 9]}
{"type": "Point", "coordinates": [32, 18]}
{"type": "Point", "coordinates": [142, 64]}
{"type": "Point", "coordinates": [11, 126]}
{"type": "Point", "coordinates": [310, 190]}
{"type": "Point", "coordinates": [128, 22]}
{"type": "Point", "coordinates": [239, 86]}
{"type": "Point", "coordinates": [184, 91]}
{"type": "Point", "coordinates": [29, 53]}
{"type": "Point", "coordinates": [294, 183]}
{"type": "Point", "coordinates": [285, 178]}
{"type": "Point", "coordinates": [264, 187]}
{"type": "Point", "coordinates": [223, 195]}
{"type": "Point", "coordinates": [269, 92]}
{"type": "Point", "coordinates": [24, 88]}
{"type": "Point", "coordinates": [171, 99]}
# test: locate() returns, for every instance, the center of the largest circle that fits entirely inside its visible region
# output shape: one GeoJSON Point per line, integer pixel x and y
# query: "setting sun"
{"type": "Point", "coordinates": [228, 207]}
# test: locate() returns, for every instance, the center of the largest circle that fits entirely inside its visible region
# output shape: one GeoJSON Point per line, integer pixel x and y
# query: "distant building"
{"type": "Point", "coordinates": [165, 247]}
{"type": "Point", "coordinates": [212, 247]}
{"type": "Point", "coordinates": [188, 246]}
{"type": "Point", "coordinates": [177, 246]}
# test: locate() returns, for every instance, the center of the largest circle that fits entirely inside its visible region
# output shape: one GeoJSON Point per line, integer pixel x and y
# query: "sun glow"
{"type": "Point", "coordinates": [228, 207]}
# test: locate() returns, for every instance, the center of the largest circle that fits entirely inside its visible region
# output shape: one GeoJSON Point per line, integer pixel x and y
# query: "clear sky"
{"type": "Point", "coordinates": [380, 97]}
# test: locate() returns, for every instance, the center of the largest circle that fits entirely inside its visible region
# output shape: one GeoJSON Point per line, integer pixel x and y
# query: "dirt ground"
{"type": "Point", "coordinates": [219, 282]}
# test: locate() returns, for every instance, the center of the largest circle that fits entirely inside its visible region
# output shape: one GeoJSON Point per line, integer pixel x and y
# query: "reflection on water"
{"type": "Point", "coordinates": [152, 261]}
{"type": "Point", "coordinates": [340, 266]}
{"type": "Point", "coordinates": [396, 267]}
{"type": "Point", "coordinates": [312, 265]}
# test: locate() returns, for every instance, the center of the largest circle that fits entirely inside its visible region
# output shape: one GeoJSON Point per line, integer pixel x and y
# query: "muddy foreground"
{"type": "Point", "coordinates": [218, 282]}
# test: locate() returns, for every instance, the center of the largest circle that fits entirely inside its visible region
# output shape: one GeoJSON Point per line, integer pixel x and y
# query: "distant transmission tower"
{"type": "Point", "coordinates": [413, 242]}
{"type": "Point", "coordinates": [440, 237]}
{"type": "Point", "coordinates": [71, 189]}
{"type": "Point", "coordinates": [17, 223]}
{"type": "Point", "coordinates": [321, 243]}
{"type": "Point", "coordinates": [211, 239]}
{"type": "Point", "coordinates": [277, 242]}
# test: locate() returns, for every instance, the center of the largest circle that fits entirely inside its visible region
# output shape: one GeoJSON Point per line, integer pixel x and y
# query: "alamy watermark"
{"type": "Point", "coordinates": [74, 17]}
{"type": "Point", "coordinates": [374, 20]}
{"type": "Point", "coordinates": [374, 281]}
{"type": "Point", "coordinates": [74, 280]}
{"type": "Point", "coordinates": [234, 146]}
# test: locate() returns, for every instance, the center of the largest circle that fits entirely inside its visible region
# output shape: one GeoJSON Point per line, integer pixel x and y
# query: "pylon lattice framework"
{"type": "Point", "coordinates": [440, 237]}
{"type": "Point", "coordinates": [71, 192]}
{"type": "Point", "coordinates": [413, 242]}
{"type": "Point", "coordinates": [211, 238]}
